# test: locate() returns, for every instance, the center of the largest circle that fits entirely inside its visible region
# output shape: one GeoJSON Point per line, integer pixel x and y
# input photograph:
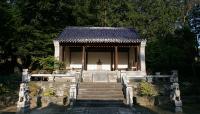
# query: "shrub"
{"type": "Point", "coordinates": [47, 63]}
{"type": "Point", "coordinates": [147, 89]}
{"type": "Point", "coordinates": [9, 84]}
{"type": "Point", "coordinates": [3, 89]}
{"type": "Point", "coordinates": [33, 89]}
{"type": "Point", "coordinates": [49, 92]}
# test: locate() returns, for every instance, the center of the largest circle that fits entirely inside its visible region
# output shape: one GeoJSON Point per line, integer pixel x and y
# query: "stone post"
{"type": "Point", "coordinates": [129, 95]}
{"type": "Point", "coordinates": [23, 104]}
{"type": "Point", "coordinates": [174, 76]}
{"type": "Point", "coordinates": [175, 92]}
{"type": "Point", "coordinates": [156, 79]}
{"type": "Point", "coordinates": [149, 79]}
{"type": "Point", "coordinates": [72, 91]}
{"type": "Point", "coordinates": [51, 79]}
{"type": "Point", "coordinates": [56, 50]}
{"type": "Point", "coordinates": [25, 76]}
{"type": "Point", "coordinates": [142, 57]}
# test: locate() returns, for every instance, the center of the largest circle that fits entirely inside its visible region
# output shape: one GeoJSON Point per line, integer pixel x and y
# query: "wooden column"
{"type": "Point", "coordinates": [63, 53]}
{"type": "Point", "coordinates": [116, 58]}
{"type": "Point", "coordinates": [83, 58]}
{"type": "Point", "coordinates": [131, 55]}
{"type": "Point", "coordinates": [111, 66]}
{"type": "Point", "coordinates": [138, 57]}
{"type": "Point", "coordinates": [67, 56]}
{"type": "Point", "coordinates": [128, 59]}
{"type": "Point", "coordinates": [86, 58]}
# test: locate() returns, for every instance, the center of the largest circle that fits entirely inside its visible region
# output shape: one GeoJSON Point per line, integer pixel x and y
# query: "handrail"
{"type": "Point", "coordinates": [124, 79]}
{"type": "Point", "coordinates": [158, 76]}
{"type": "Point", "coordinates": [127, 90]}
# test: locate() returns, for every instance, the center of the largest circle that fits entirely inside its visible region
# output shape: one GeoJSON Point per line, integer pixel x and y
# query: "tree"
{"type": "Point", "coordinates": [28, 27]}
{"type": "Point", "coordinates": [194, 22]}
{"type": "Point", "coordinates": [41, 21]}
{"type": "Point", "coordinates": [7, 36]}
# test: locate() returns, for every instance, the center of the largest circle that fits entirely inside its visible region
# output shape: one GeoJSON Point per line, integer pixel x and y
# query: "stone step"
{"type": "Point", "coordinates": [101, 95]}
{"type": "Point", "coordinates": [100, 89]}
{"type": "Point", "coordinates": [99, 83]}
{"type": "Point", "coordinates": [100, 92]}
{"type": "Point", "coordinates": [100, 86]}
{"type": "Point", "coordinates": [100, 103]}
{"type": "Point", "coordinates": [100, 98]}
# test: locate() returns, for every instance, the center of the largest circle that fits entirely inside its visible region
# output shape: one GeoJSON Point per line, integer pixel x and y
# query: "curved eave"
{"type": "Point", "coordinates": [100, 41]}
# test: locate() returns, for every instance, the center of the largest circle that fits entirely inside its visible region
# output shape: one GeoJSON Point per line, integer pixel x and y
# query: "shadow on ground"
{"type": "Point", "coordinates": [60, 109]}
{"type": "Point", "coordinates": [50, 109]}
{"type": "Point", "coordinates": [8, 110]}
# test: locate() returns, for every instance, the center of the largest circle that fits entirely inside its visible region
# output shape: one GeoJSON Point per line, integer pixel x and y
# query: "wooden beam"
{"type": "Point", "coordinates": [100, 44]}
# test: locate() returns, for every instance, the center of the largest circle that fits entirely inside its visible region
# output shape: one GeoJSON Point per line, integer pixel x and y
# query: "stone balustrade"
{"type": "Point", "coordinates": [101, 76]}
{"type": "Point", "coordinates": [174, 87]}
{"type": "Point", "coordinates": [128, 90]}
{"type": "Point", "coordinates": [70, 76]}
{"type": "Point", "coordinates": [23, 104]}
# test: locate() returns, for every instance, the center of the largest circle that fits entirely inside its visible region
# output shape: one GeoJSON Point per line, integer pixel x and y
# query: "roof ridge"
{"type": "Point", "coordinates": [96, 27]}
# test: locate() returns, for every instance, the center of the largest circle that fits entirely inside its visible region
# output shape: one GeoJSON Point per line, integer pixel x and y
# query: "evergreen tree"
{"type": "Point", "coordinates": [27, 27]}
{"type": "Point", "coordinates": [194, 21]}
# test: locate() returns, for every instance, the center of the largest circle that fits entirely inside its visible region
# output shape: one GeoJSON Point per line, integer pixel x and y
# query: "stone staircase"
{"type": "Point", "coordinates": [100, 94]}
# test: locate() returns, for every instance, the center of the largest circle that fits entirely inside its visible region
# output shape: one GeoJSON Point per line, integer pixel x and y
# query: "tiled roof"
{"type": "Point", "coordinates": [99, 35]}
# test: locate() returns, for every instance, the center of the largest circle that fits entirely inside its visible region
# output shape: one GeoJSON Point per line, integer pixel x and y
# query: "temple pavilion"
{"type": "Point", "coordinates": [109, 50]}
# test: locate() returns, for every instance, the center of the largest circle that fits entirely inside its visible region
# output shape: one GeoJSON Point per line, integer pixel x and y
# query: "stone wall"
{"type": "Point", "coordinates": [51, 92]}
{"type": "Point", "coordinates": [151, 101]}
{"type": "Point", "coordinates": [163, 90]}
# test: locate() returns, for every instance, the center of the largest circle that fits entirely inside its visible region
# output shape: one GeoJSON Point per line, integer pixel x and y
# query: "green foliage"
{"type": "Point", "coordinates": [175, 51]}
{"type": "Point", "coordinates": [49, 92]}
{"type": "Point", "coordinates": [3, 89]}
{"type": "Point", "coordinates": [147, 89]}
{"type": "Point", "coordinates": [47, 63]}
{"type": "Point", "coordinates": [9, 84]}
{"type": "Point", "coordinates": [27, 28]}
{"type": "Point", "coordinates": [33, 89]}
